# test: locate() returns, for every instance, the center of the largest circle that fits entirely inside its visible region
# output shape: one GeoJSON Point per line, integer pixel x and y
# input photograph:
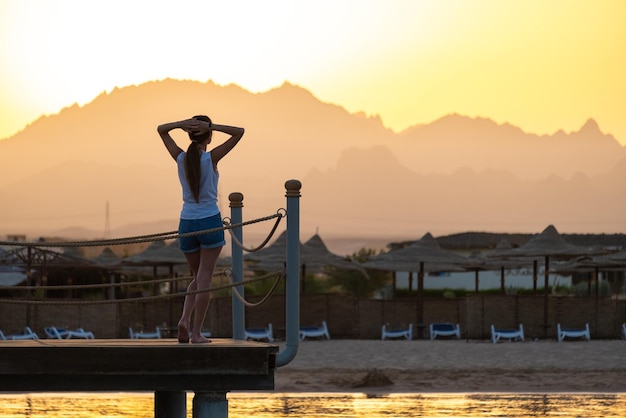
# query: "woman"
{"type": "Point", "coordinates": [198, 175]}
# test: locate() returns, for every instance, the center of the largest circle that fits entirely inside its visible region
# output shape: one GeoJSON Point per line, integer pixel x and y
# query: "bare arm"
{"type": "Point", "coordinates": [221, 150]}
{"type": "Point", "coordinates": [187, 125]}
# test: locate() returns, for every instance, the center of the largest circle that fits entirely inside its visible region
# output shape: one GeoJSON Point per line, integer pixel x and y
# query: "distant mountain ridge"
{"type": "Point", "coordinates": [482, 144]}
{"type": "Point", "coordinates": [454, 174]}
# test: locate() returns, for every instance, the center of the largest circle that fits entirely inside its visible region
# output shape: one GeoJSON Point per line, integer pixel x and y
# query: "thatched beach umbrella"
{"type": "Point", "coordinates": [111, 262]}
{"type": "Point", "coordinates": [618, 258]}
{"type": "Point", "coordinates": [424, 255]}
{"type": "Point", "coordinates": [274, 253]}
{"type": "Point", "coordinates": [107, 258]}
{"type": "Point", "coordinates": [548, 244]}
{"type": "Point", "coordinates": [314, 256]}
{"type": "Point", "coordinates": [615, 261]}
{"type": "Point", "coordinates": [158, 253]}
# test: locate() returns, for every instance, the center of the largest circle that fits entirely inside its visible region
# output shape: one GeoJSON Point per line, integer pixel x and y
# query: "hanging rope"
{"type": "Point", "coordinates": [264, 243]}
{"type": "Point", "coordinates": [263, 300]}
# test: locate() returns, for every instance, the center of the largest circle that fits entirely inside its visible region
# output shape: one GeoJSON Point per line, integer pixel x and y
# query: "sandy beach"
{"type": "Point", "coordinates": [372, 366]}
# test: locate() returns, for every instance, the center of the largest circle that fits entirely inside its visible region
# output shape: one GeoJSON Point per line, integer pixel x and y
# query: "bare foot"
{"type": "Point", "coordinates": [199, 340]}
{"type": "Point", "coordinates": [183, 333]}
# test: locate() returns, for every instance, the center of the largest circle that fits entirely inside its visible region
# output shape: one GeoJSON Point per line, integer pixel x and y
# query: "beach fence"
{"type": "Point", "coordinates": [347, 316]}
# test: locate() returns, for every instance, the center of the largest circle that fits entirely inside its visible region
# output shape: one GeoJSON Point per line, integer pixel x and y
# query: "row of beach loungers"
{"type": "Point", "coordinates": [305, 332]}
{"type": "Point", "coordinates": [51, 332]}
{"type": "Point", "coordinates": [259, 334]}
{"type": "Point", "coordinates": [497, 334]}
{"type": "Point", "coordinates": [250, 333]}
{"type": "Point", "coordinates": [435, 331]}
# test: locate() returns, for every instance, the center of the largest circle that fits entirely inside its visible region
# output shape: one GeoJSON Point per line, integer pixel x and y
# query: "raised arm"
{"type": "Point", "coordinates": [221, 150]}
{"type": "Point", "coordinates": [187, 125]}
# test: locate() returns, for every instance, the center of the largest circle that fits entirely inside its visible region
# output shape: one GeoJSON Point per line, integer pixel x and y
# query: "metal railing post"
{"type": "Point", "coordinates": [292, 290]}
{"type": "Point", "coordinates": [236, 205]}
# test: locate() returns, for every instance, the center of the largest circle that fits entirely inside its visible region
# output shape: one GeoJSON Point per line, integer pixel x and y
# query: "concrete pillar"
{"type": "Point", "coordinates": [170, 404]}
{"type": "Point", "coordinates": [210, 405]}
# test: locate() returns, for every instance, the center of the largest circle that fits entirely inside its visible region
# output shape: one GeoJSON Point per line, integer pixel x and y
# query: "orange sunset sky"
{"type": "Point", "coordinates": [540, 65]}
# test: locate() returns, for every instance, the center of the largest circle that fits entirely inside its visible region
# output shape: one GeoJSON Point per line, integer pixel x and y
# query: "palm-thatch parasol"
{"type": "Point", "coordinates": [424, 255]}
{"type": "Point", "coordinates": [110, 261]}
{"type": "Point", "coordinates": [275, 254]}
{"type": "Point", "coordinates": [606, 262]}
{"type": "Point", "coordinates": [548, 244]}
{"type": "Point", "coordinates": [158, 253]}
{"type": "Point", "coordinates": [107, 258]}
{"type": "Point", "coordinates": [314, 256]}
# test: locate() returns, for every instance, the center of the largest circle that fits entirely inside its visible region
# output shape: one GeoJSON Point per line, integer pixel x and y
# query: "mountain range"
{"type": "Point", "coordinates": [102, 167]}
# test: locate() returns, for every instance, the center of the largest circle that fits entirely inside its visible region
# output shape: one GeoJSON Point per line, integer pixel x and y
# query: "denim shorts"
{"type": "Point", "coordinates": [193, 243]}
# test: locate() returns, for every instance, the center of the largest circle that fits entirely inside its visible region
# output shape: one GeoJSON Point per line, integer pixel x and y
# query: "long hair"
{"type": "Point", "coordinates": [192, 159]}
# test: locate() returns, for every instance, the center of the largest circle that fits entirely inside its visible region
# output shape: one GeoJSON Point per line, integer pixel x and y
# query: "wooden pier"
{"type": "Point", "coordinates": [164, 366]}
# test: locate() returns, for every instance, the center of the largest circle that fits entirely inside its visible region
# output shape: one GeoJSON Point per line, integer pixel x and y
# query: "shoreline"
{"type": "Point", "coordinates": [455, 366]}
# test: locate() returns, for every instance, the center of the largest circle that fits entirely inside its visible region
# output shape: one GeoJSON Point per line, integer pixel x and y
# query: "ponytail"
{"type": "Point", "coordinates": [192, 169]}
{"type": "Point", "coordinates": [192, 159]}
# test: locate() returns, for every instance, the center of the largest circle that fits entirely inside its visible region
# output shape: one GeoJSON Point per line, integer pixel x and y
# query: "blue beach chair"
{"type": "Point", "coordinates": [573, 333]}
{"type": "Point", "coordinates": [260, 333]}
{"type": "Point", "coordinates": [388, 333]}
{"type": "Point", "coordinates": [508, 334]}
{"type": "Point", "coordinates": [444, 330]}
{"type": "Point", "coordinates": [315, 332]}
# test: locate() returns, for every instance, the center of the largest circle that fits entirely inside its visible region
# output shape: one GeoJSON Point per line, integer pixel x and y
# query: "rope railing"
{"type": "Point", "coordinates": [105, 285]}
{"type": "Point", "coordinates": [265, 241]}
{"type": "Point", "coordinates": [146, 238]}
{"type": "Point", "coordinates": [138, 238]}
{"type": "Point", "coordinates": [279, 275]}
{"type": "Point", "coordinates": [264, 299]}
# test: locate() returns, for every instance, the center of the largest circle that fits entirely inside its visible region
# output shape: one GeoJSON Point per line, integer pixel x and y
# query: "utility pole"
{"type": "Point", "coordinates": [107, 224]}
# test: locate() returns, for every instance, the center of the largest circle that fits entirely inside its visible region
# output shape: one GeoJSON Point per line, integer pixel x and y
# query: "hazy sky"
{"type": "Point", "coordinates": [542, 65]}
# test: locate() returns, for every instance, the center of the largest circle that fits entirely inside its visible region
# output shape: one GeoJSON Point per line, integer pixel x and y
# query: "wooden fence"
{"type": "Point", "coordinates": [347, 316]}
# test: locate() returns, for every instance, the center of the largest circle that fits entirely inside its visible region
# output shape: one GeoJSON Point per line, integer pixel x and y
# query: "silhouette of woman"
{"type": "Point", "coordinates": [198, 175]}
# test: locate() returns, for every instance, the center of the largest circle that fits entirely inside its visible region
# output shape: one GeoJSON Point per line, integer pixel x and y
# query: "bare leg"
{"type": "Point", "coordinates": [208, 261]}
{"type": "Point", "coordinates": [190, 300]}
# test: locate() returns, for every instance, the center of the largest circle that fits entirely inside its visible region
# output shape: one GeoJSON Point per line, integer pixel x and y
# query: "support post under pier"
{"type": "Point", "coordinates": [170, 404]}
{"type": "Point", "coordinates": [210, 405]}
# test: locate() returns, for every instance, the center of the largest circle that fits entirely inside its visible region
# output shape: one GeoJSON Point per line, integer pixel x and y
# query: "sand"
{"type": "Point", "coordinates": [444, 366]}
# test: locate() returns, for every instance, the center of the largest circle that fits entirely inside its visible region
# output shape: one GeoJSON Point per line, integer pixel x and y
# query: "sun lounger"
{"type": "Point", "coordinates": [27, 335]}
{"type": "Point", "coordinates": [260, 333]}
{"type": "Point", "coordinates": [444, 330]}
{"type": "Point", "coordinates": [135, 335]}
{"type": "Point", "coordinates": [315, 332]}
{"type": "Point", "coordinates": [66, 334]}
{"type": "Point", "coordinates": [575, 333]}
{"type": "Point", "coordinates": [507, 334]}
{"type": "Point", "coordinates": [388, 333]}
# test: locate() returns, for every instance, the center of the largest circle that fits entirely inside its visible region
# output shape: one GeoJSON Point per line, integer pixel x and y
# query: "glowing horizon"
{"type": "Point", "coordinates": [541, 66]}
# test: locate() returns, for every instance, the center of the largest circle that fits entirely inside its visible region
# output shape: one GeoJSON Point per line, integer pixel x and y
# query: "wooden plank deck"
{"type": "Point", "coordinates": [78, 365]}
